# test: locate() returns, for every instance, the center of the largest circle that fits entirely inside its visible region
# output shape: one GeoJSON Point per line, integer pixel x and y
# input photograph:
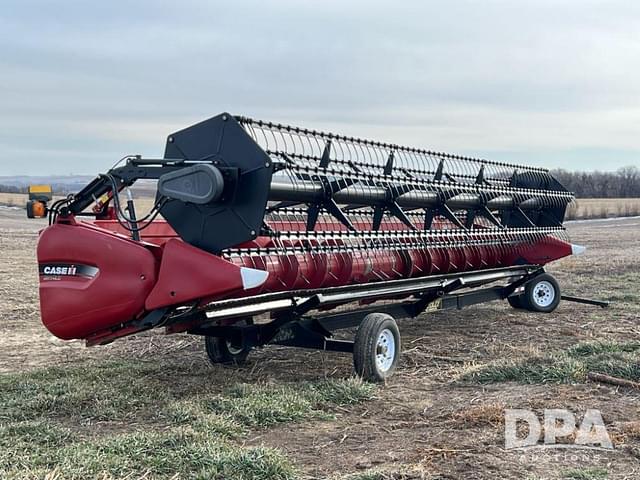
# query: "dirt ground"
{"type": "Point", "coordinates": [419, 423]}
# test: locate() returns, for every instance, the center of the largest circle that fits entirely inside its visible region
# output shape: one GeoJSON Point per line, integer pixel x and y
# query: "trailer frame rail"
{"type": "Point", "coordinates": [293, 325]}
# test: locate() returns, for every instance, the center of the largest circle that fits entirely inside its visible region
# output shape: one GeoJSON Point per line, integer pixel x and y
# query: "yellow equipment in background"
{"type": "Point", "coordinates": [39, 195]}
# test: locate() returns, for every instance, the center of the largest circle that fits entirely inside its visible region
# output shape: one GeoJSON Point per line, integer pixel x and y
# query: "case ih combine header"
{"type": "Point", "coordinates": [272, 234]}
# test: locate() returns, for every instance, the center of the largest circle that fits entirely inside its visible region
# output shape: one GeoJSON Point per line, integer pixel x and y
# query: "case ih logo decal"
{"type": "Point", "coordinates": [67, 270]}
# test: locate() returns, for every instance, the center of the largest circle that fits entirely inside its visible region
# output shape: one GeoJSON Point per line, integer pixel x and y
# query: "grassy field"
{"type": "Point", "coordinates": [618, 359]}
{"type": "Point", "coordinates": [151, 407]}
{"type": "Point", "coordinates": [124, 420]}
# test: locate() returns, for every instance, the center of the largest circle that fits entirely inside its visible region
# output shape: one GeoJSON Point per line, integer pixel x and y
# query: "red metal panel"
{"type": "Point", "coordinates": [76, 306]}
{"type": "Point", "coordinates": [188, 273]}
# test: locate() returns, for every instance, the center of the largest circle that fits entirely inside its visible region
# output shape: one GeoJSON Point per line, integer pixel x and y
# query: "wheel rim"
{"type": "Point", "coordinates": [232, 349]}
{"type": "Point", "coordinates": [543, 294]}
{"type": "Point", "coordinates": [385, 350]}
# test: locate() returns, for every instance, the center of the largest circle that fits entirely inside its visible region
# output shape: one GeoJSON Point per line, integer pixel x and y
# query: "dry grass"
{"type": "Point", "coordinates": [398, 473]}
{"type": "Point", "coordinates": [13, 199]}
{"type": "Point", "coordinates": [631, 430]}
{"type": "Point", "coordinates": [624, 432]}
{"type": "Point", "coordinates": [587, 208]}
{"type": "Point", "coordinates": [490, 414]}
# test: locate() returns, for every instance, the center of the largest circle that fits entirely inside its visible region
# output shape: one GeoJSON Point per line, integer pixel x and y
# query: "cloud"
{"type": "Point", "coordinates": [84, 83]}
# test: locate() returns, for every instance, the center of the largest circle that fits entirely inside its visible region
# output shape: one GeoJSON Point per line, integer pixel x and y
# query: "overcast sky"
{"type": "Point", "coordinates": [551, 83]}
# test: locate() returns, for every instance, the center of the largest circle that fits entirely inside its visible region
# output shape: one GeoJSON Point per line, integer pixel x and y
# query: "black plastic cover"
{"type": "Point", "coordinates": [237, 216]}
{"type": "Point", "coordinates": [198, 184]}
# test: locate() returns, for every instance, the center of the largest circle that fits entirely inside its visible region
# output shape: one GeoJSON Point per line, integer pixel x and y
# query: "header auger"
{"type": "Point", "coordinates": [266, 218]}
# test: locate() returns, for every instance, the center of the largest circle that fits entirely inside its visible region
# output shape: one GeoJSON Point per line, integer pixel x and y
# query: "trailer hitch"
{"type": "Point", "coordinates": [586, 301]}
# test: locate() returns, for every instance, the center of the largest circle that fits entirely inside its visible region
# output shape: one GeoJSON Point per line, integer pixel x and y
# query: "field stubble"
{"type": "Point", "coordinates": [150, 406]}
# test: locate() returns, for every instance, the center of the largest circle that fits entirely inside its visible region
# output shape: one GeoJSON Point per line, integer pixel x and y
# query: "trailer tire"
{"type": "Point", "coordinates": [222, 351]}
{"type": "Point", "coordinates": [376, 348]}
{"type": "Point", "coordinates": [516, 301]}
{"type": "Point", "coordinates": [542, 294]}
{"type": "Point", "coordinates": [30, 209]}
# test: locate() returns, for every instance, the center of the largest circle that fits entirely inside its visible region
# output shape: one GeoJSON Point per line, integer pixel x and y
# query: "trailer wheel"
{"type": "Point", "coordinates": [376, 348]}
{"type": "Point", "coordinates": [222, 351]}
{"type": "Point", "coordinates": [30, 209]}
{"type": "Point", "coordinates": [542, 294]}
{"type": "Point", "coordinates": [516, 301]}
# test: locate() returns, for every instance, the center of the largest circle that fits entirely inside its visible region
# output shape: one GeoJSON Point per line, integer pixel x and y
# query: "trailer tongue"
{"type": "Point", "coordinates": [260, 217]}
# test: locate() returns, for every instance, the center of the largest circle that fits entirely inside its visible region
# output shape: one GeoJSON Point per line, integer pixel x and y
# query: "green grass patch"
{"type": "Point", "coordinates": [588, 349]}
{"type": "Point", "coordinates": [114, 391]}
{"type": "Point", "coordinates": [163, 454]}
{"type": "Point", "coordinates": [265, 405]}
{"type": "Point", "coordinates": [569, 366]}
{"type": "Point", "coordinates": [594, 473]}
{"type": "Point", "coordinates": [156, 422]}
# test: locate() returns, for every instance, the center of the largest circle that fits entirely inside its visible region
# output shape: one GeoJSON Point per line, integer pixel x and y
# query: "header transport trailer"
{"type": "Point", "coordinates": [263, 233]}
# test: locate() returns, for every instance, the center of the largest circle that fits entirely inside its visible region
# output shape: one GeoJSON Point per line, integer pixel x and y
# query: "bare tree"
{"type": "Point", "coordinates": [625, 183]}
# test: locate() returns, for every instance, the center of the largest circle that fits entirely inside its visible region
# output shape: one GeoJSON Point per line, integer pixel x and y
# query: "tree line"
{"type": "Point", "coordinates": [12, 189]}
{"type": "Point", "coordinates": [623, 183]}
